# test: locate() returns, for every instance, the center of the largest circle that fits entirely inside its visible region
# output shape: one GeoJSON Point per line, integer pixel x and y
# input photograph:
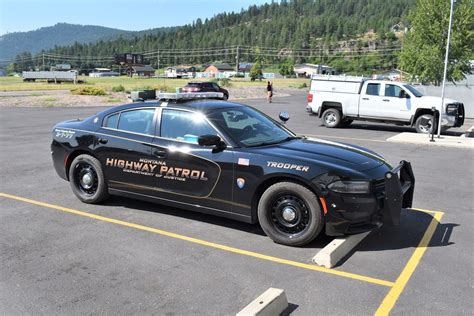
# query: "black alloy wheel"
{"type": "Point", "coordinates": [290, 214]}
{"type": "Point", "coordinates": [87, 179]}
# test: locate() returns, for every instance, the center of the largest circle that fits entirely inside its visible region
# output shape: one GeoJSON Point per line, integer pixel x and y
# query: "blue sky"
{"type": "Point", "coordinates": [27, 15]}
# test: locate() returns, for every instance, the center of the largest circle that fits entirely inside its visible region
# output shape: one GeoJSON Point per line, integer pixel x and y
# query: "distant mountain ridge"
{"type": "Point", "coordinates": [62, 34]}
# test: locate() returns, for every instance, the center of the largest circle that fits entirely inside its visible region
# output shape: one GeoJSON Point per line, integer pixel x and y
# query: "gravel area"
{"type": "Point", "coordinates": [63, 98]}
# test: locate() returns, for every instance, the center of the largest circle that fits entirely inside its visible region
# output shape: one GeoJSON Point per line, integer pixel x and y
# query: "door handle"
{"type": "Point", "coordinates": [102, 140]}
{"type": "Point", "coordinates": [159, 153]}
{"type": "Point", "coordinates": [365, 98]}
{"type": "Point", "coordinates": [386, 100]}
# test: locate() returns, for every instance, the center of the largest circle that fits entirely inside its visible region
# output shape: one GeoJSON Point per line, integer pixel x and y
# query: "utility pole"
{"type": "Point", "coordinates": [237, 60]}
{"type": "Point", "coordinates": [445, 67]}
{"type": "Point", "coordinates": [43, 63]}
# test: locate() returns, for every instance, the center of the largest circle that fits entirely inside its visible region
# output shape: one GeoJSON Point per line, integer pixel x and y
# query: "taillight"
{"type": "Point", "coordinates": [310, 97]}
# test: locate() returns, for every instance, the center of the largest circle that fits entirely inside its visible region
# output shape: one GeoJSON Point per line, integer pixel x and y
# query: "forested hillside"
{"type": "Point", "coordinates": [60, 34]}
{"type": "Point", "coordinates": [299, 30]}
{"type": "Point", "coordinates": [290, 24]}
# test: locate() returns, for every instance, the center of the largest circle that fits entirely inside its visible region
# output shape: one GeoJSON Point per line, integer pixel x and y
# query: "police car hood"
{"type": "Point", "coordinates": [315, 149]}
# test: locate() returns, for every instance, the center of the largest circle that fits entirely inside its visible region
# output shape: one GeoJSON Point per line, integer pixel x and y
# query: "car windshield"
{"type": "Point", "coordinates": [413, 90]}
{"type": "Point", "coordinates": [249, 127]}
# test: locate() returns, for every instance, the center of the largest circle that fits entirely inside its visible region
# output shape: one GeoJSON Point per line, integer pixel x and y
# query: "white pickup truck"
{"type": "Point", "coordinates": [338, 100]}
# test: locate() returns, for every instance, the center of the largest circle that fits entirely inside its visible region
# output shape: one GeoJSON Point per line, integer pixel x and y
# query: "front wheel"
{"type": "Point", "coordinates": [87, 179]}
{"type": "Point", "coordinates": [332, 118]}
{"type": "Point", "coordinates": [424, 124]}
{"type": "Point", "coordinates": [290, 214]}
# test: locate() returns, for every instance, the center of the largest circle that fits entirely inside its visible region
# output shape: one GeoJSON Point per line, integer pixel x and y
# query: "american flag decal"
{"type": "Point", "coordinates": [243, 162]}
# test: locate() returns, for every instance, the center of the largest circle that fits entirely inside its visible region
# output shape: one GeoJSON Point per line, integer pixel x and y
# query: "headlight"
{"type": "Point", "coordinates": [357, 187]}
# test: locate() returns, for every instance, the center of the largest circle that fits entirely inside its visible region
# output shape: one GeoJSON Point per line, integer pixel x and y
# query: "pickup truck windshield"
{"type": "Point", "coordinates": [412, 89]}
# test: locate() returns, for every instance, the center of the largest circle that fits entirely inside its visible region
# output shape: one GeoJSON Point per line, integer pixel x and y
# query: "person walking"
{"type": "Point", "coordinates": [269, 91]}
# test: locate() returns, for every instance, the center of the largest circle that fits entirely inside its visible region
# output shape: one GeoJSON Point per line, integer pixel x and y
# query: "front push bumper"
{"type": "Point", "coordinates": [358, 213]}
{"type": "Point", "coordinates": [399, 190]}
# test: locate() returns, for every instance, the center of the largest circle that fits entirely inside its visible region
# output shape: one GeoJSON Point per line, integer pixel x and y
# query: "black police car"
{"type": "Point", "coordinates": [230, 160]}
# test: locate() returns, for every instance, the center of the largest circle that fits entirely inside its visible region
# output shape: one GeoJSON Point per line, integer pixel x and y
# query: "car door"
{"type": "Point", "coordinates": [124, 148]}
{"type": "Point", "coordinates": [396, 104]}
{"type": "Point", "coordinates": [191, 174]}
{"type": "Point", "coordinates": [370, 104]}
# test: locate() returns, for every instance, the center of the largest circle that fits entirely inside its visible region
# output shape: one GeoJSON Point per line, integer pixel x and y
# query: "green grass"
{"type": "Point", "coordinates": [130, 84]}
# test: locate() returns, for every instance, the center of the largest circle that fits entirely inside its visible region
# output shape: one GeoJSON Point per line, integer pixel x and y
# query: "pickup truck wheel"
{"type": "Point", "coordinates": [331, 118]}
{"type": "Point", "coordinates": [424, 123]}
{"type": "Point", "coordinates": [290, 214]}
{"type": "Point", "coordinates": [87, 179]}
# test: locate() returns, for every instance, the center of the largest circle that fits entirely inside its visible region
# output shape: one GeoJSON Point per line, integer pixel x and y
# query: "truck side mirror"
{"type": "Point", "coordinates": [403, 95]}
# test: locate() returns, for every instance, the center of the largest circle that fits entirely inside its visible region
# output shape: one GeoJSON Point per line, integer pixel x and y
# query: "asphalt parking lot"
{"type": "Point", "coordinates": [60, 256]}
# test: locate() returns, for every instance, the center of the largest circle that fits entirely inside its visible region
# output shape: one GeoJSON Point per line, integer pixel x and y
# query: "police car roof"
{"type": "Point", "coordinates": [206, 105]}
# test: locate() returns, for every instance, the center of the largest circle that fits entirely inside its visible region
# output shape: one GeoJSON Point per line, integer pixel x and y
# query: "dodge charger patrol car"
{"type": "Point", "coordinates": [231, 160]}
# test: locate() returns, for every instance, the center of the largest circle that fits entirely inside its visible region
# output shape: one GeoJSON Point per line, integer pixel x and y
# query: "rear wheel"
{"type": "Point", "coordinates": [424, 124]}
{"type": "Point", "coordinates": [87, 179]}
{"type": "Point", "coordinates": [331, 118]}
{"type": "Point", "coordinates": [290, 214]}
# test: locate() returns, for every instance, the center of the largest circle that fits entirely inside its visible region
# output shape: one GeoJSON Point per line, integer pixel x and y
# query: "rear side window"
{"type": "Point", "coordinates": [137, 121]}
{"type": "Point", "coordinates": [111, 121]}
{"type": "Point", "coordinates": [373, 88]}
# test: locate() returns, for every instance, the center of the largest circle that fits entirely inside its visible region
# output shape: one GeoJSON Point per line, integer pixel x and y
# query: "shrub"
{"type": "Point", "coordinates": [118, 88]}
{"type": "Point", "coordinates": [88, 91]}
{"type": "Point", "coordinates": [303, 85]}
{"type": "Point", "coordinates": [225, 82]}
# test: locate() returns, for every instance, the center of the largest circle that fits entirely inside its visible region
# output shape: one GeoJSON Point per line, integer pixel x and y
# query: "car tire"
{"type": "Point", "coordinates": [424, 123]}
{"type": "Point", "coordinates": [290, 214]}
{"type": "Point", "coordinates": [87, 179]}
{"type": "Point", "coordinates": [332, 118]}
{"type": "Point", "coordinates": [226, 97]}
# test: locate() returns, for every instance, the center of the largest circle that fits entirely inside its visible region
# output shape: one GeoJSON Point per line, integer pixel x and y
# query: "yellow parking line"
{"type": "Point", "coordinates": [427, 211]}
{"type": "Point", "coordinates": [205, 243]}
{"type": "Point", "coordinates": [402, 280]}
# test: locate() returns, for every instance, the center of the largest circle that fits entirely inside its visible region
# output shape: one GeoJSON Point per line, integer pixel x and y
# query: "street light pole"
{"type": "Point", "coordinates": [445, 67]}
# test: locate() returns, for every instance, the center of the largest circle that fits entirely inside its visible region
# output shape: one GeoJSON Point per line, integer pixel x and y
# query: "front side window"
{"type": "Point", "coordinates": [373, 88]}
{"type": "Point", "coordinates": [137, 121]}
{"type": "Point", "coordinates": [392, 90]}
{"type": "Point", "coordinates": [249, 127]}
{"type": "Point", "coordinates": [184, 126]}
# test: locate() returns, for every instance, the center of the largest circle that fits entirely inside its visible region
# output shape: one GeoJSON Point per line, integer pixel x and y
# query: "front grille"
{"type": "Point", "coordinates": [457, 110]}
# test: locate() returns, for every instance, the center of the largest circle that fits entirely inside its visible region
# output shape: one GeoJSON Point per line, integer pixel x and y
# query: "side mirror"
{"type": "Point", "coordinates": [284, 116]}
{"type": "Point", "coordinates": [404, 95]}
{"type": "Point", "coordinates": [211, 140]}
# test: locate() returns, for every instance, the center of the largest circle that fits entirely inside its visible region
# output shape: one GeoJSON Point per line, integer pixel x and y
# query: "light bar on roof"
{"type": "Point", "coordinates": [189, 96]}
